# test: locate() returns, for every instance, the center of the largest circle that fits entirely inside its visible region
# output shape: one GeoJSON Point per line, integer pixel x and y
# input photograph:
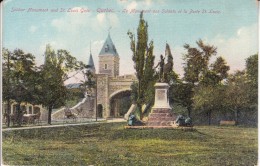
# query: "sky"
{"type": "Point", "coordinates": [231, 26]}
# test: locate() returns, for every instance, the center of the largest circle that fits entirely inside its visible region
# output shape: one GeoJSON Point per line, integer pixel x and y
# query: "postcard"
{"type": "Point", "coordinates": [129, 82]}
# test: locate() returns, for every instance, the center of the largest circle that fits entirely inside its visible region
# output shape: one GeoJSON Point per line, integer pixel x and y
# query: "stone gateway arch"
{"type": "Point", "coordinates": [111, 88]}
{"type": "Point", "coordinates": [109, 83]}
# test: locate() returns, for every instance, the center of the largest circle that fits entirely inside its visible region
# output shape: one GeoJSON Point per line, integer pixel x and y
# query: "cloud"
{"type": "Point", "coordinates": [139, 5]}
{"type": "Point", "coordinates": [72, 21]}
{"type": "Point", "coordinates": [7, 1]}
{"type": "Point", "coordinates": [75, 22]}
{"type": "Point", "coordinates": [148, 2]}
{"type": "Point", "coordinates": [238, 47]}
{"type": "Point", "coordinates": [101, 18]}
{"type": "Point", "coordinates": [105, 20]}
{"type": "Point", "coordinates": [98, 42]}
{"type": "Point", "coordinates": [33, 28]}
{"type": "Point", "coordinates": [131, 5]}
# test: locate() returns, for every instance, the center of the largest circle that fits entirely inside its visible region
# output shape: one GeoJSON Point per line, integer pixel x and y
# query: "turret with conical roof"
{"type": "Point", "coordinates": [91, 65]}
{"type": "Point", "coordinates": [109, 58]}
{"type": "Point", "coordinates": [108, 47]}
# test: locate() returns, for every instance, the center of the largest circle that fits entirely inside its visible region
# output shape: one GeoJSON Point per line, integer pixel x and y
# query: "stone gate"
{"type": "Point", "coordinates": [108, 87]}
{"type": "Point", "coordinates": [109, 83]}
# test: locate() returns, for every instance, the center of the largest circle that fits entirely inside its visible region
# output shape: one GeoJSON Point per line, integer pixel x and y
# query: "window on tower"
{"type": "Point", "coordinates": [105, 66]}
{"type": "Point", "coordinates": [106, 48]}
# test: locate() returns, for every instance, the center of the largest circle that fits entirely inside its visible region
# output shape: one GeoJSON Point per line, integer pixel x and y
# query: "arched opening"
{"type": "Point", "coordinates": [100, 110]}
{"type": "Point", "coordinates": [120, 103]}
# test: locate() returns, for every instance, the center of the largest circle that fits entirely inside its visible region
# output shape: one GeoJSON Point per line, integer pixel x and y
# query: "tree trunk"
{"type": "Point", "coordinates": [49, 114]}
{"type": "Point", "coordinates": [8, 88]}
{"type": "Point", "coordinates": [189, 111]}
{"type": "Point", "coordinates": [236, 115]}
{"type": "Point", "coordinates": [139, 108]}
{"type": "Point", "coordinates": [19, 115]}
{"type": "Point", "coordinates": [8, 113]}
{"type": "Point", "coordinates": [209, 118]}
{"type": "Point", "coordinates": [139, 105]}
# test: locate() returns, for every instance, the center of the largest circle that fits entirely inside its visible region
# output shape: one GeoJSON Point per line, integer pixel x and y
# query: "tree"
{"type": "Point", "coordinates": [53, 74]}
{"type": "Point", "coordinates": [207, 99]}
{"type": "Point", "coordinates": [6, 68]}
{"type": "Point", "coordinates": [252, 68]}
{"type": "Point", "coordinates": [143, 61]}
{"type": "Point", "coordinates": [221, 68]}
{"type": "Point", "coordinates": [242, 89]}
{"type": "Point", "coordinates": [182, 93]}
{"type": "Point", "coordinates": [237, 93]}
{"type": "Point", "coordinates": [196, 69]}
{"type": "Point", "coordinates": [148, 78]}
{"type": "Point", "coordinates": [252, 75]}
{"type": "Point", "coordinates": [19, 69]}
{"type": "Point", "coordinates": [197, 61]}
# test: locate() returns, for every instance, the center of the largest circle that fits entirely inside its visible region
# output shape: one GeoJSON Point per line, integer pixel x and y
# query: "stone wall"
{"type": "Point", "coordinates": [102, 92]}
{"type": "Point", "coordinates": [109, 64]}
{"type": "Point", "coordinates": [84, 109]}
{"type": "Point", "coordinates": [109, 86]}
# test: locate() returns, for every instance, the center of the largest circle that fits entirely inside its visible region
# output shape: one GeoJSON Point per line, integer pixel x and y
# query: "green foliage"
{"type": "Point", "coordinates": [73, 96]}
{"type": "Point", "coordinates": [148, 78]}
{"type": "Point", "coordinates": [221, 68]}
{"type": "Point", "coordinates": [53, 74]}
{"type": "Point", "coordinates": [252, 68]}
{"type": "Point", "coordinates": [143, 63]}
{"type": "Point", "coordinates": [19, 80]}
{"type": "Point", "coordinates": [182, 93]}
{"type": "Point", "coordinates": [238, 93]}
{"type": "Point", "coordinates": [207, 99]}
{"type": "Point", "coordinates": [205, 79]}
{"type": "Point", "coordinates": [252, 74]}
{"type": "Point", "coordinates": [209, 78]}
{"type": "Point", "coordinates": [197, 60]}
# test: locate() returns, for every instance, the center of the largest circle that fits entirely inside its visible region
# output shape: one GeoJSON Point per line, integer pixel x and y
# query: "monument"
{"type": "Point", "coordinates": [161, 114]}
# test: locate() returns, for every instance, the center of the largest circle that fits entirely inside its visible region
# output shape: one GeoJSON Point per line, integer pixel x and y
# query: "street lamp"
{"type": "Point", "coordinates": [96, 98]}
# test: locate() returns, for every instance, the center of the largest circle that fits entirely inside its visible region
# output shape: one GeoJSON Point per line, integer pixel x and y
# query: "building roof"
{"type": "Point", "coordinates": [108, 47]}
{"type": "Point", "coordinates": [73, 86]}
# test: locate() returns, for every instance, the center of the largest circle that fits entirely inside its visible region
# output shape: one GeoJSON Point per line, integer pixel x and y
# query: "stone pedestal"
{"type": "Point", "coordinates": [161, 114]}
{"type": "Point", "coordinates": [161, 96]}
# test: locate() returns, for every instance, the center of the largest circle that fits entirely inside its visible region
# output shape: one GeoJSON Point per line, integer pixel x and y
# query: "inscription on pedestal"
{"type": "Point", "coordinates": [161, 95]}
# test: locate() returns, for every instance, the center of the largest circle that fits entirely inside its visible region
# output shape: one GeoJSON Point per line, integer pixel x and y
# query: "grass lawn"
{"type": "Point", "coordinates": [111, 144]}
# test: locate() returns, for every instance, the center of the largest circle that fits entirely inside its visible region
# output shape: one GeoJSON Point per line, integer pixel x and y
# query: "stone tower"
{"type": "Point", "coordinates": [109, 59]}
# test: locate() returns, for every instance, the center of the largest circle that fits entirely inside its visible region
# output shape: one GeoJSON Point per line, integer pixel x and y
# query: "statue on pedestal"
{"type": "Point", "coordinates": [161, 71]}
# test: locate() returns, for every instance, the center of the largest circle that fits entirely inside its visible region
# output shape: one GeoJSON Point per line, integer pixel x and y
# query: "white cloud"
{"type": "Point", "coordinates": [113, 20]}
{"type": "Point", "coordinates": [131, 5]}
{"type": "Point", "coordinates": [106, 20]}
{"type": "Point", "coordinates": [98, 43]}
{"type": "Point", "coordinates": [33, 29]}
{"type": "Point", "coordinates": [72, 21]}
{"type": "Point", "coordinates": [101, 18]}
{"type": "Point", "coordinates": [237, 48]}
{"type": "Point", "coordinates": [148, 2]}
{"type": "Point", "coordinates": [139, 5]}
{"type": "Point", "coordinates": [7, 1]}
{"type": "Point", "coordinates": [75, 22]}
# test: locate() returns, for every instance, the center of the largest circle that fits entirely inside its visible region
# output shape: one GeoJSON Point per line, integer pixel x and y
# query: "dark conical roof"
{"type": "Point", "coordinates": [91, 62]}
{"type": "Point", "coordinates": [108, 47]}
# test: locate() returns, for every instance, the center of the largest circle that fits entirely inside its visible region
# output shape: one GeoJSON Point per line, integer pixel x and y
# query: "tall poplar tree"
{"type": "Point", "coordinates": [143, 61]}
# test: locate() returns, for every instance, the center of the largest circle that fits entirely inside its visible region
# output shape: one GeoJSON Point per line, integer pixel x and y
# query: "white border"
{"type": "Point", "coordinates": [1, 47]}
